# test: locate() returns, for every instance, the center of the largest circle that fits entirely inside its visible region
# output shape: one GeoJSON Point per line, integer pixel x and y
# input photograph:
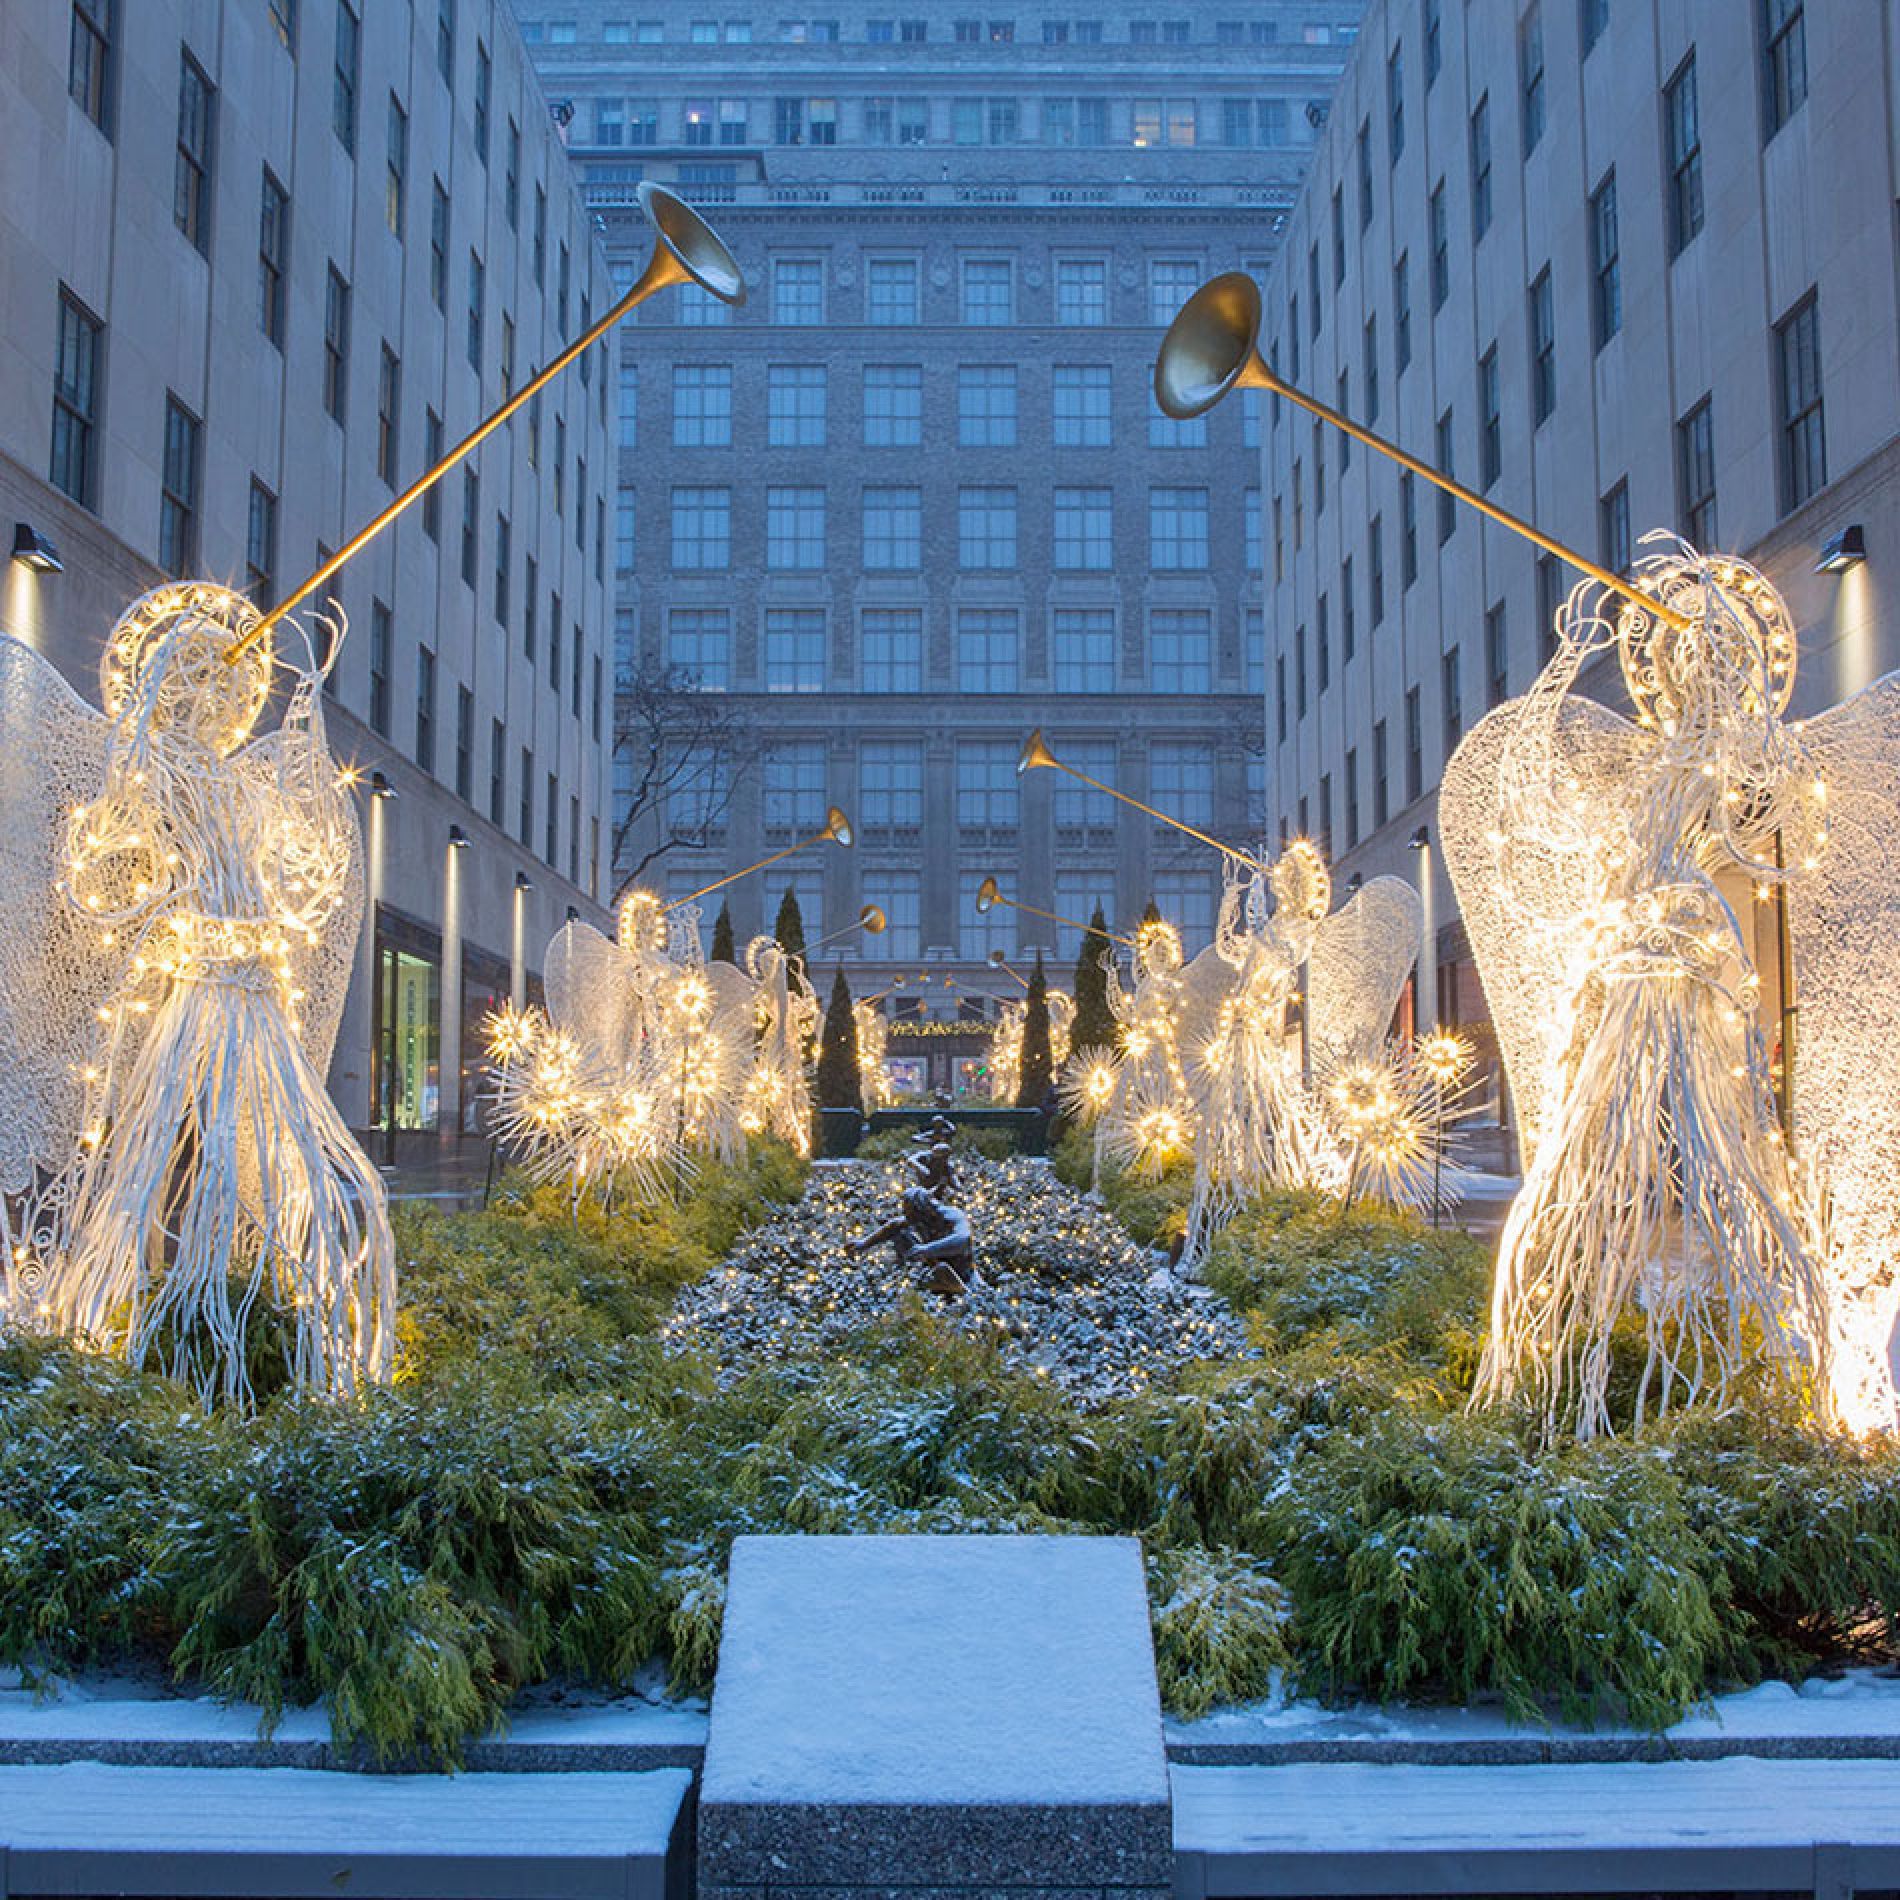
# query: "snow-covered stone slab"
{"type": "Point", "coordinates": [962, 1714]}
{"type": "Point", "coordinates": [277, 1833]}
{"type": "Point", "coordinates": [1742, 1825]}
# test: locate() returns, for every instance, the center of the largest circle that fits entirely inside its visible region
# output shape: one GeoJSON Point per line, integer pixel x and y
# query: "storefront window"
{"type": "Point", "coordinates": [406, 1078]}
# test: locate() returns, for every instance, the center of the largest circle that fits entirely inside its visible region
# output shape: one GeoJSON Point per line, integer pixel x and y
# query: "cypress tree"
{"type": "Point", "coordinates": [790, 928]}
{"type": "Point", "coordinates": [839, 1084]}
{"type": "Point", "coordinates": [722, 937]}
{"type": "Point", "coordinates": [1095, 1026]}
{"type": "Point", "coordinates": [1037, 1063]}
{"type": "Point", "coordinates": [1152, 915]}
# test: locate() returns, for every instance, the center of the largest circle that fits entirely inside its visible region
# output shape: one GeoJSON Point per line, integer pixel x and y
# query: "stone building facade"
{"type": "Point", "coordinates": [1618, 267]}
{"type": "Point", "coordinates": [914, 499]}
{"type": "Point", "coordinates": [261, 262]}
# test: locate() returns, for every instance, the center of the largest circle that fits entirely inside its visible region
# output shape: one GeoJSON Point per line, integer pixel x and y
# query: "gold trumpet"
{"type": "Point", "coordinates": [686, 250]}
{"type": "Point", "coordinates": [988, 897]}
{"type": "Point", "coordinates": [1213, 345]}
{"type": "Point", "coordinates": [1036, 754]}
{"type": "Point", "coordinates": [870, 919]}
{"type": "Point", "coordinates": [837, 831]}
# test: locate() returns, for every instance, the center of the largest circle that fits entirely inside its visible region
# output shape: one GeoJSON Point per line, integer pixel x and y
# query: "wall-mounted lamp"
{"type": "Point", "coordinates": [32, 549]}
{"type": "Point", "coordinates": [573, 914]}
{"type": "Point", "coordinates": [458, 838]}
{"type": "Point", "coordinates": [1354, 882]}
{"type": "Point", "coordinates": [380, 787]}
{"type": "Point", "coordinates": [1847, 549]}
{"type": "Point", "coordinates": [1421, 838]}
{"type": "Point", "coordinates": [523, 882]}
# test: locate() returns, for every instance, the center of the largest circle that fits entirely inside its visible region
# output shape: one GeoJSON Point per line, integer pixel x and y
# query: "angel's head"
{"type": "Point", "coordinates": [1302, 885]}
{"type": "Point", "coordinates": [641, 924]}
{"type": "Point", "coordinates": [763, 958]}
{"type": "Point", "coordinates": [1158, 947]}
{"type": "Point", "coordinates": [168, 666]}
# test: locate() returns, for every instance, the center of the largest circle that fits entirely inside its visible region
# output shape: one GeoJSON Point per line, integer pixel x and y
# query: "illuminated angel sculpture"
{"type": "Point", "coordinates": [785, 1021]}
{"type": "Point", "coordinates": [1005, 1061]}
{"type": "Point", "coordinates": [183, 904]}
{"type": "Point", "coordinates": [874, 1081]}
{"type": "Point", "coordinates": [1149, 1119]}
{"type": "Point", "coordinates": [1613, 877]}
{"type": "Point", "coordinates": [1248, 1075]}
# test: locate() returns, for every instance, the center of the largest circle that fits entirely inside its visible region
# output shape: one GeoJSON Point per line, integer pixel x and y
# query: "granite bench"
{"type": "Point", "coordinates": [287, 1833]}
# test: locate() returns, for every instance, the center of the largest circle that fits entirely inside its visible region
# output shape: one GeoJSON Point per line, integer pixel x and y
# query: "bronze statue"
{"type": "Point", "coordinates": [933, 1233]}
{"type": "Point", "coordinates": [931, 1169]}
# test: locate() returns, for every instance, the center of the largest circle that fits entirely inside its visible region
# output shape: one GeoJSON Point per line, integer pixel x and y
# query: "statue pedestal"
{"type": "Point", "coordinates": [965, 1714]}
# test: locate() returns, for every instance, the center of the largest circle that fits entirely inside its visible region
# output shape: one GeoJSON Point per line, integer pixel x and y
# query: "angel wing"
{"type": "Point", "coordinates": [55, 969]}
{"type": "Point", "coordinates": [1844, 919]}
{"type": "Point", "coordinates": [1360, 958]}
{"type": "Point", "coordinates": [595, 992]}
{"type": "Point", "coordinates": [1514, 907]}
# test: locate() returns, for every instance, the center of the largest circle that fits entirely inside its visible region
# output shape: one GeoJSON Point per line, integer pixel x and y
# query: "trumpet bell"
{"type": "Point", "coordinates": [837, 827]}
{"type": "Point", "coordinates": [871, 921]}
{"type": "Point", "coordinates": [986, 896]}
{"type": "Point", "coordinates": [1211, 346]}
{"type": "Point", "coordinates": [1035, 753]}
{"type": "Point", "coordinates": [697, 252]}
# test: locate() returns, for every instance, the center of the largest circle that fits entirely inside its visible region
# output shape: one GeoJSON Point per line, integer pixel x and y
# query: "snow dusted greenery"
{"type": "Point", "coordinates": [548, 1490]}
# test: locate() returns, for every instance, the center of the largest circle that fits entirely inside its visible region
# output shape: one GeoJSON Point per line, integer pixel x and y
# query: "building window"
{"type": "Point", "coordinates": [891, 650]}
{"type": "Point", "coordinates": [1453, 692]}
{"type": "Point", "coordinates": [794, 650]}
{"type": "Point", "coordinates": [699, 644]}
{"type": "Point", "coordinates": [1595, 18]}
{"type": "Point", "coordinates": [471, 524]}
{"type": "Point", "coordinates": [795, 406]}
{"type": "Point", "coordinates": [1784, 60]}
{"type": "Point", "coordinates": [986, 527]}
{"type": "Point", "coordinates": [1381, 778]}
{"type": "Point", "coordinates": [1181, 780]}
{"type": "Point", "coordinates": [890, 787]}
{"type": "Point", "coordinates": [1497, 675]}
{"type": "Point", "coordinates": [1414, 747]}
{"type": "Point", "coordinates": [388, 410]}
{"type": "Point", "coordinates": [788, 121]}
{"type": "Point", "coordinates": [1481, 170]}
{"type": "Point", "coordinates": [986, 406]}
{"type": "Point", "coordinates": [989, 293]}
{"type": "Point", "coordinates": [702, 405]}
{"type": "Point", "coordinates": [1613, 528]}
{"type": "Point", "coordinates": [1348, 613]}
{"type": "Point", "coordinates": [445, 53]}
{"type": "Point", "coordinates": [1395, 104]}
{"type": "Point", "coordinates": [890, 291]}
{"type": "Point", "coordinates": [89, 61]}
{"type": "Point", "coordinates": [396, 168]}
{"type": "Point", "coordinates": [1080, 397]}
{"type": "Point", "coordinates": [191, 175]}
{"type": "Point", "coordinates": [629, 404]}
{"type": "Point", "coordinates": [1082, 650]}
{"type": "Point", "coordinates": [893, 529]}
{"type": "Point", "coordinates": [702, 528]}
{"type": "Point", "coordinates": [425, 708]}
{"type": "Point", "coordinates": [74, 469]}
{"type": "Point", "coordinates": [794, 527]}
{"type": "Point", "coordinates": [1434, 41]}
{"type": "Point", "coordinates": [476, 291]}
{"type": "Point", "coordinates": [794, 792]}
{"type": "Point", "coordinates": [988, 648]}
{"type": "Point", "coordinates": [349, 50]}
{"type": "Point", "coordinates": [893, 405]}
{"type": "Point", "coordinates": [432, 454]}
{"type": "Point", "coordinates": [1081, 291]}
{"type": "Point", "coordinates": [1685, 156]}
{"type": "Point", "coordinates": [1447, 506]}
{"type": "Point", "coordinates": [273, 258]}
{"type": "Point", "coordinates": [1408, 530]}
{"type": "Point", "coordinates": [1177, 528]}
{"type": "Point", "coordinates": [1180, 650]}
{"type": "Point", "coordinates": [1164, 432]}
{"type": "Point", "coordinates": [511, 178]}
{"type": "Point", "coordinates": [1401, 314]}
{"type": "Point", "coordinates": [1279, 696]}
{"type": "Point", "coordinates": [380, 642]}
{"type": "Point", "coordinates": [1490, 426]}
{"type": "Point", "coordinates": [1171, 282]}
{"type": "Point", "coordinates": [1549, 602]}
{"type": "Point", "coordinates": [1606, 302]}
{"type": "Point", "coordinates": [1375, 570]}
{"type": "Point", "coordinates": [1081, 809]}
{"type": "Point", "coordinates": [625, 545]}
{"type": "Point", "coordinates": [497, 771]}
{"type": "Point", "coordinates": [551, 845]}
{"type": "Point", "coordinates": [1543, 350]}
{"type": "Point", "coordinates": [987, 797]}
{"type": "Point", "coordinates": [1695, 475]}
{"type": "Point", "coordinates": [898, 895]}
{"type": "Point", "coordinates": [464, 744]}
{"type": "Point", "coordinates": [1372, 369]}
{"type": "Point", "coordinates": [478, 112]}
{"type": "Point", "coordinates": [1441, 248]}
{"type": "Point", "coordinates": [178, 491]}
{"type": "Point", "coordinates": [1299, 676]}
{"type": "Point", "coordinates": [1803, 437]}
{"type": "Point", "coordinates": [798, 291]}
{"type": "Point", "coordinates": [1530, 76]}
{"type": "Point", "coordinates": [1364, 151]}
{"type": "Point", "coordinates": [260, 546]}
{"type": "Point", "coordinates": [503, 569]}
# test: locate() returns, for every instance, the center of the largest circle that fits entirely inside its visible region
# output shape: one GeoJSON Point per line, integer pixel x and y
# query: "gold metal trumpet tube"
{"type": "Point", "coordinates": [988, 897]}
{"type": "Point", "coordinates": [1212, 346]}
{"type": "Point", "coordinates": [685, 250]}
{"type": "Point", "coordinates": [837, 831]}
{"type": "Point", "coordinates": [1036, 753]}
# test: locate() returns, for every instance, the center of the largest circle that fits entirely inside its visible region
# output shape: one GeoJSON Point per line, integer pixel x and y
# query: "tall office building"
{"type": "Point", "coordinates": [1619, 268]}
{"type": "Point", "coordinates": [915, 499]}
{"type": "Point", "coordinates": [262, 262]}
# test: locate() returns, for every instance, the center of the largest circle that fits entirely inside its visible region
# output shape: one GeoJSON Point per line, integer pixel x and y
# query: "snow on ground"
{"type": "Point", "coordinates": [1061, 1288]}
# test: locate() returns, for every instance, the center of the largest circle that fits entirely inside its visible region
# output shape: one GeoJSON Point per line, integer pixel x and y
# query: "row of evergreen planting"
{"type": "Point", "coordinates": [548, 1493]}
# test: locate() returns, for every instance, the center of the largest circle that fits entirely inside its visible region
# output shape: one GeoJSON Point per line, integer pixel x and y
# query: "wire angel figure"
{"type": "Point", "coordinates": [185, 900]}
{"type": "Point", "coordinates": [1613, 876]}
{"type": "Point", "coordinates": [785, 1022]}
{"type": "Point", "coordinates": [1148, 1121]}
